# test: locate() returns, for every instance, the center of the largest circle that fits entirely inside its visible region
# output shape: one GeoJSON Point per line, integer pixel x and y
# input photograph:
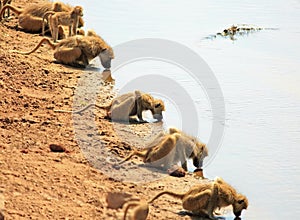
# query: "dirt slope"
{"type": "Point", "coordinates": [36, 183]}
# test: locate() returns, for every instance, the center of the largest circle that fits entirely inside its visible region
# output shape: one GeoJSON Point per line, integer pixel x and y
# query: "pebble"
{"type": "Point", "coordinates": [57, 148]}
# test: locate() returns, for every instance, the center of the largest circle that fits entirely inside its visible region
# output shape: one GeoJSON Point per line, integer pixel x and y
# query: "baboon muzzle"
{"type": "Point", "coordinates": [237, 214]}
{"type": "Point", "coordinates": [158, 117]}
{"type": "Point", "coordinates": [197, 163]}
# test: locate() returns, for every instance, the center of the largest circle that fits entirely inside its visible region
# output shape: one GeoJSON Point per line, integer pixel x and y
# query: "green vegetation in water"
{"type": "Point", "coordinates": [237, 30]}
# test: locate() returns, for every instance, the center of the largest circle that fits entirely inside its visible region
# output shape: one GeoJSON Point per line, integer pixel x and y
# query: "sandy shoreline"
{"type": "Point", "coordinates": [37, 183]}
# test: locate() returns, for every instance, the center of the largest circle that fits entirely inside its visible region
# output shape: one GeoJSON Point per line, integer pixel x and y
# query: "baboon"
{"type": "Point", "coordinates": [140, 211]}
{"type": "Point", "coordinates": [3, 3]}
{"type": "Point", "coordinates": [205, 198]}
{"type": "Point", "coordinates": [172, 148]}
{"type": "Point", "coordinates": [70, 19]}
{"type": "Point", "coordinates": [133, 104]}
{"type": "Point", "coordinates": [198, 154]}
{"type": "Point", "coordinates": [123, 107]}
{"type": "Point", "coordinates": [78, 50]}
{"type": "Point", "coordinates": [31, 17]}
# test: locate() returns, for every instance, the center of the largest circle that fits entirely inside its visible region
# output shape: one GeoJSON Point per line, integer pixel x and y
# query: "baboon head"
{"type": "Point", "coordinates": [198, 154]}
{"type": "Point", "coordinates": [57, 6]}
{"type": "Point", "coordinates": [106, 56]}
{"type": "Point", "coordinates": [158, 108]}
{"type": "Point", "coordinates": [240, 204]}
{"type": "Point", "coordinates": [78, 10]}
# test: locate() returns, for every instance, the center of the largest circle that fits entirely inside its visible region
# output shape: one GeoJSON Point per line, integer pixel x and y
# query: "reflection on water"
{"type": "Point", "coordinates": [259, 76]}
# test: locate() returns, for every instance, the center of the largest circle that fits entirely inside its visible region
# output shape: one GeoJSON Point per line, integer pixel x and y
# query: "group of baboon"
{"type": "Point", "coordinates": [167, 148]}
{"type": "Point", "coordinates": [78, 49]}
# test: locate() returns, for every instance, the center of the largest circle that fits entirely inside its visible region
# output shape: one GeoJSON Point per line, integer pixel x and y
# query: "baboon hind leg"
{"type": "Point", "coordinates": [67, 56]}
{"type": "Point", "coordinates": [31, 23]}
{"type": "Point", "coordinates": [163, 154]}
{"type": "Point", "coordinates": [61, 32]}
{"type": "Point", "coordinates": [197, 203]}
{"type": "Point", "coordinates": [120, 111]}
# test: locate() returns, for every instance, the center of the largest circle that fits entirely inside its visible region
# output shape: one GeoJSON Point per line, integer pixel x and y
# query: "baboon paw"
{"type": "Point", "coordinates": [142, 121]}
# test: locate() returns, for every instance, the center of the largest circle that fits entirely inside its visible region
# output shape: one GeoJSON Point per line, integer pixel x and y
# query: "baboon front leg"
{"type": "Point", "coordinates": [70, 30]}
{"type": "Point", "coordinates": [54, 28]}
{"type": "Point", "coordinates": [139, 110]}
{"type": "Point", "coordinates": [74, 27]}
{"type": "Point", "coordinates": [184, 165]}
{"type": "Point", "coordinates": [140, 116]}
{"type": "Point", "coordinates": [67, 55]}
{"type": "Point", "coordinates": [213, 200]}
{"type": "Point", "coordinates": [197, 203]}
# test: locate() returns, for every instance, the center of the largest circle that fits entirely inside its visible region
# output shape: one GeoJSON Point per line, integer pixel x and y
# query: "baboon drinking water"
{"type": "Point", "coordinates": [31, 16]}
{"type": "Point", "coordinates": [79, 50]}
{"type": "Point", "coordinates": [133, 104]}
{"type": "Point", "coordinates": [123, 107]}
{"type": "Point", "coordinates": [205, 198]}
{"type": "Point", "coordinates": [70, 19]}
{"type": "Point", "coordinates": [169, 149]}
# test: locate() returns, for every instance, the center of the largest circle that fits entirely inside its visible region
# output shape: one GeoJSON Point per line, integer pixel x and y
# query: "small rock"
{"type": "Point", "coordinates": [1, 216]}
{"type": "Point", "coordinates": [46, 71]}
{"type": "Point", "coordinates": [198, 173]}
{"type": "Point", "coordinates": [24, 151]}
{"type": "Point", "coordinates": [179, 172]}
{"type": "Point", "coordinates": [57, 148]}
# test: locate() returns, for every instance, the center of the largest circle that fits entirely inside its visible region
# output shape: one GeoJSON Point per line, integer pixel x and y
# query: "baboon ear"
{"type": "Point", "coordinates": [104, 49]}
{"type": "Point", "coordinates": [157, 105]}
{"type": "Point", "coordinates": [241, 201]}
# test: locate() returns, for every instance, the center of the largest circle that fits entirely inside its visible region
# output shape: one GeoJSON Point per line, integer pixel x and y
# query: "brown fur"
{"type": "Point", "coordinates": [134, 103]}
{"type": "Point", "coordinates": [70, 19]}
{"type": "Point", "coordinates": [140, 211]}
{"type": "Point", "coordinates": [63, 32]}
{"type": "Point", "coordinates": [206, 197]}
{"type": "Point", "coordinates": [123, 107]}
{"type": "Point", "coordinates": [31, 17]}
{"type": "Point", "coordinates": [80, 32]}
{"type": "Point", "coordinates": [169, 149]}
{"type": "Point", "coordinates": [78, 51]}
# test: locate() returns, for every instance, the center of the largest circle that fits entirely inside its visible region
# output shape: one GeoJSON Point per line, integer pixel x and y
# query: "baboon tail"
{"type": "Point", "coordinates": [106, 107]}
{"type": "Point", "coordinates": [170, 193]}
{"type": "Point", "coordinates": [44, 40]}
{"type": "Point", "coordinates": [82, 110]}
{"type": "Point", "coordinates": [129, 204]}
{"type": "Point", "coordinates": [135, 152]}
{"type": "Point", "coordinates": [17, 11]}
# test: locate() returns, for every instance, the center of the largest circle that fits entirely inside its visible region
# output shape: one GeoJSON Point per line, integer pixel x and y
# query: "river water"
{"type": "Point", "coordinates": [258, 74]}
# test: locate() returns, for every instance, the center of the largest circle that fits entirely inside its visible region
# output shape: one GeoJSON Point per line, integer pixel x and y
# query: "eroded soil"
{"type": "Point", "coordinates": [36, 183]}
